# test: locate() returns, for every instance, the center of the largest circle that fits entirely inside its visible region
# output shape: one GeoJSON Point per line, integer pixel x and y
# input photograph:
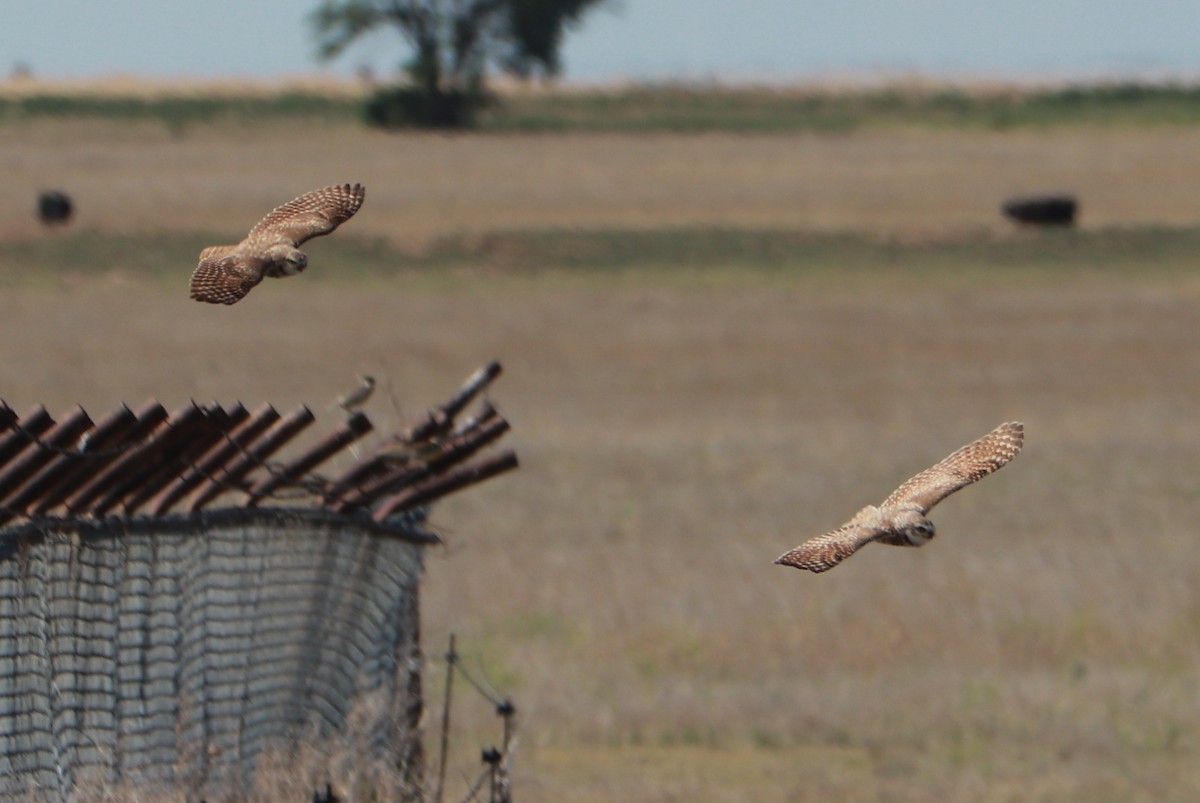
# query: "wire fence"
{"type": "Point", "coordinates": [497, 761]}
{"type": "Point", "coordinates": [176, 651]}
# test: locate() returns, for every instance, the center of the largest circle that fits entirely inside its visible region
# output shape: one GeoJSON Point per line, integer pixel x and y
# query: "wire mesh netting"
{"type": "Point", "coordinates": [175, 650]}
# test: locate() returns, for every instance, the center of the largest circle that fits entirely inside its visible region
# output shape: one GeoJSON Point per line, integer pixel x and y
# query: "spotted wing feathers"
{"type": "Point", "coordinates": [223, 276]}
{"type": "Point", "coordinates": [970, 463]}
{"type": "Point", "coordinates": [311, 215]}
{"type": "Point", "coordinates": [826, 551]}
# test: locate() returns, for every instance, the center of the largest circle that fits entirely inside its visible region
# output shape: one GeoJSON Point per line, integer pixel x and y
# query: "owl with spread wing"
{"type": "Point", "coordinates": [901, 519]}
{"type": "Point", "coordinates": [226, 273]}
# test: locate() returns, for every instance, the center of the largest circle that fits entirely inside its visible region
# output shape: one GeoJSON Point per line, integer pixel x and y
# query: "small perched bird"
{"type": "Point", "coordinates": [226, 273]}
{"type": "Point", "coordinates": [358, 397]}
{"type": "Point", "coordinates": [900, 520]}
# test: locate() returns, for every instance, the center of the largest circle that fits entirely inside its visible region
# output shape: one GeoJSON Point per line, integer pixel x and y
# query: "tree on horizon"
{"type": "Point", "coordinates": [453, 44]}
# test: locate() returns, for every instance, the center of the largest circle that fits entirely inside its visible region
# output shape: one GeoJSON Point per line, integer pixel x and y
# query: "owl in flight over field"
{"type": "Point", "coordinates": [227, 272]}
{"type": "Point", "coordinates": [900, 520]}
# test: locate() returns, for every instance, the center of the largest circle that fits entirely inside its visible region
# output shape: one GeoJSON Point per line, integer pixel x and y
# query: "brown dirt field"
{"type": "Point", "coordinates": [680, 430]}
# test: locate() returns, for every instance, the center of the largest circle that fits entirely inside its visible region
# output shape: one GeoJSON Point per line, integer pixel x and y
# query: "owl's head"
{"type": "Point", "coordinates": [294, 261]}
{"type": "Point", "coordinates": [919, 532]}
{"type": "Point", "coordinates": [283, 259]}
{"type": "Point", "coordinates": [910, 523]}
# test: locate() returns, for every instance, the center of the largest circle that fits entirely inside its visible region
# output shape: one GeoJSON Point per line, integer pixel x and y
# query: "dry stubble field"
{"type": "Point", "coordinates": [680, 428]}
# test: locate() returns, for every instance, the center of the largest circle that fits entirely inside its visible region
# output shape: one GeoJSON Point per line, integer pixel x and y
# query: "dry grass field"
{"type": "Point", "coordinates": [679, 428]}
{"type": "Point", "coordinates": [144, 178]}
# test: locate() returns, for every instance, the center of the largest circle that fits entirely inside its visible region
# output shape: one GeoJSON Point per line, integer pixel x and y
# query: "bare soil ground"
{"type": "Point", "coordinates": [679, 429]}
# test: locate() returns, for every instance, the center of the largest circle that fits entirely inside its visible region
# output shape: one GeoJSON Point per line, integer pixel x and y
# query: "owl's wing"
{"type": "Point", "coordinates": [828, 550]}
{"type": "Point", "coordinates": [970, 463]}
{"type": "Point", "coordinates": [223, 276]}
{"type": "Point", "coordinates": [311, 215]}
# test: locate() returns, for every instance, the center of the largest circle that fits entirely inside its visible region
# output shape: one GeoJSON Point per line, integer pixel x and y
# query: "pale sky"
{"type": "Point", "coordinates": [640, 39]}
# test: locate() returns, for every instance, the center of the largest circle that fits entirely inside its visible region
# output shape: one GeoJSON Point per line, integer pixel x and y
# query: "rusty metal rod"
{"type": "Point", "coordinates": [453, 451]}
{"type": "Point", "coordinates": [475, 383]}
{"type": "Point", "coordinates": [368, 471]}
{"type": "Point", "coordinates": [355, 427]}
{"type": "Point", "coordinates": [439, 419]}
{"type": "Point", "coordinates": [437, 487]}
{"type": "Point", "coordinates": [150, 419]}
{"type": "Point", "coordinates": [250, 459]}
{"type": "Point", "coordinates": [354, 477]}
{"type": "Point", "coordinates": [25, 433]}
{"type": "Point", "coordinates": [8, 417]}
{"type": "Point", "coordinates": [174, 465]}
{"type": "Point", "coordinates": [159, 456]}
{"type": "Point", "coordinates": [236, 442]}
{"type": "Point", "coordinates": [101, 450]}
{"type": "Point", "coordinates": [19, 472]}
{"type": "Point", "coordinates": [64, 467]}
{"type": "Point", "coordinates": [434, 422]}
{"type": "Point", "coordinates": [445, 454]}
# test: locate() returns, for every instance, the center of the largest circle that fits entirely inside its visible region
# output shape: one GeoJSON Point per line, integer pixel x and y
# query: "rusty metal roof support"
{"type": "Point", "coordinates": [134, 461]}
{"type": "Point", "coordinates": [446, 484]}
{"type": "Point", "coordinates": [355, 427]}
{"type": "Point", "coordinates": [158, 462]}
{"type": "Point", "coordinates": [150, 418]}
{"type": "Point", "coordinates": [423, 460]}
{"type": "Point", "coordinates": [64, 466]}
{"type": "Point", "coordinates": [102, 448]}
{"type": "Point", "coordinates": [440, 418]}
{"type": "Point", "coordinates": [203, 442]}
{"type": "Point", "coordinates": [62, 436]}
{"type": "Point", "coordinates": [236, 441]}
{"type": "Point", "coordinates": [280, 434]}
{"type": "Point", "coordinates": [140, 468]}
{"type": "Point", "coordinates": [24, 432]}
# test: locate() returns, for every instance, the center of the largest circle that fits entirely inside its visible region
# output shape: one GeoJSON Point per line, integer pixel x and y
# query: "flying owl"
{"type": "Point", "coordinates": [900, 520]}
{"type": "Point", "coordinates": [227, 272]}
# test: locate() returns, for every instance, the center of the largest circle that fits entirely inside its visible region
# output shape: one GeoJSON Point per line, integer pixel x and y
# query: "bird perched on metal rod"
{"type": "Point", "coordinates": [900, 520]}
{"type": "Point", "coordinates": [226, 273]}
{"type": "Point", "coordinates": [358, 397]}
